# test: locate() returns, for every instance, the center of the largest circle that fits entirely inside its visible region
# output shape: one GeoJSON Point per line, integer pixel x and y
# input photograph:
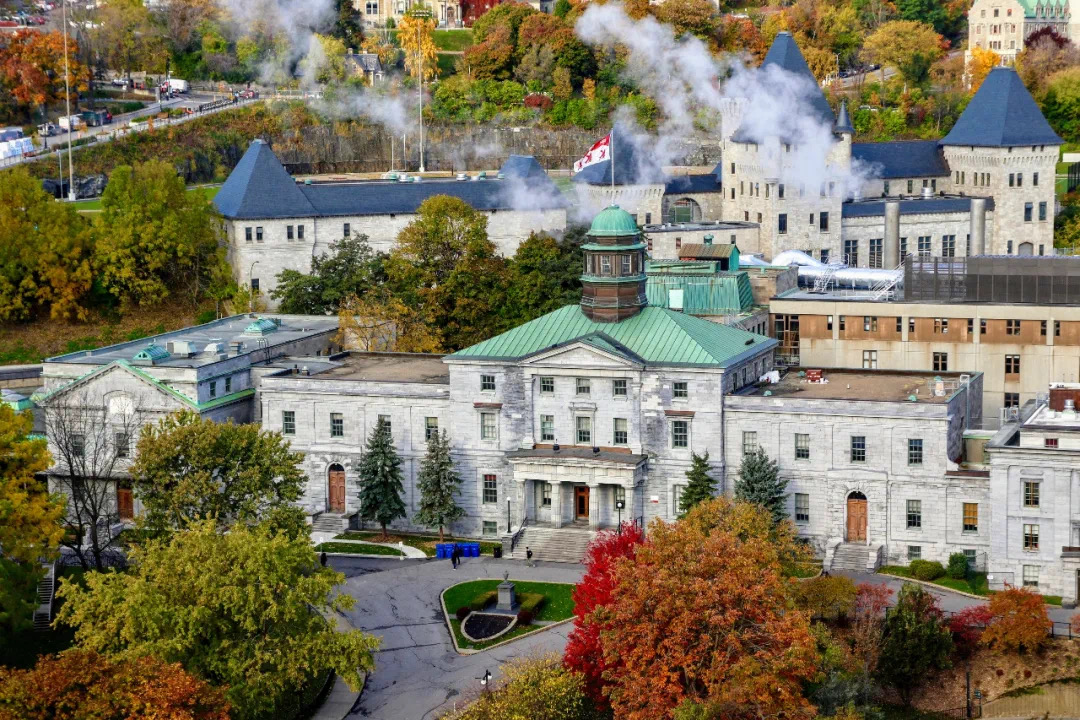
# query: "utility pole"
{"type": "Point", "coordinates": [421, 15]}
{"type": "Point", "coordinates": [67, 100]}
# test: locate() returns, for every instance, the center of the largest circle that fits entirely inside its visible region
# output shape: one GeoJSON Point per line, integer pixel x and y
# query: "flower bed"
{"type": "Point", "coordinates": [485, 627]}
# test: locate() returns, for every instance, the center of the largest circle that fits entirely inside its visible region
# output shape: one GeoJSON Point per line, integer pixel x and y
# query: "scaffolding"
{"type": "Point", "coordinates": [1043, 280]}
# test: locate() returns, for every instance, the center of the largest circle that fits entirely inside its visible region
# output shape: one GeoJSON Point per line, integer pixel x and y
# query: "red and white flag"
{"type": "Point", "coordinates": [597, 153]}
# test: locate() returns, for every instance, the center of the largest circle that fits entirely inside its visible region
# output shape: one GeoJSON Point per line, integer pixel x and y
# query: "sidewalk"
{"type": "Point", "coordinates": [340, 700]}
{"type": "Point", "coordinates": [409, 552]}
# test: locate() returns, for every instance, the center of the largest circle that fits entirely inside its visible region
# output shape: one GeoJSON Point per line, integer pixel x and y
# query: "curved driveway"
{"type": "Point", "coordinates": [418, 675]}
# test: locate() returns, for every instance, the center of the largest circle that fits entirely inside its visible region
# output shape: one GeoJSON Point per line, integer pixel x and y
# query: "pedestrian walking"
{"type": "Point", "coordinates": [322, 559]}
{"type": "Point", "coordinates": [528, 556]}
{"type": "Point", "coordinates": [454, 557]}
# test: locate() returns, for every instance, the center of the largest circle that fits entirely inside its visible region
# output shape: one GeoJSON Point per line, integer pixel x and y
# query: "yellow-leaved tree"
{"type": "Point", "coordinates": [415, 37]}
{"type": "Point", "coordinates": [981, 63]}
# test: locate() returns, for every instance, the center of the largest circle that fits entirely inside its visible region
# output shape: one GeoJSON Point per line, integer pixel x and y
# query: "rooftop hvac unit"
{"type": "Point", "coordinates": [181, 348]}
{"type": "Point", "coordinates": [675, 299]}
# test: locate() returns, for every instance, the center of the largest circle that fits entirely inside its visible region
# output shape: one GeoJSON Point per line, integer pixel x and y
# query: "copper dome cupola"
{"type": "Point", "coordinates": [613, 282]}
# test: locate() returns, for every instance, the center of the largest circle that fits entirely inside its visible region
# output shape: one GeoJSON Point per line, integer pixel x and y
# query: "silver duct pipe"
{"type": "Point", "coordinates": [850, 278]}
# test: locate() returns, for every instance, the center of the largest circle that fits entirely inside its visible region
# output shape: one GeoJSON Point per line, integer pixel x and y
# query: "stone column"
{"type": "Point", "coordinates": [556, 504]}
{"type": "Point", "coordinates": [891, 251]}
{"type": "Point", "coordinates": [594, 507]}
{"type": "Point", "coordinates": [523, 488]}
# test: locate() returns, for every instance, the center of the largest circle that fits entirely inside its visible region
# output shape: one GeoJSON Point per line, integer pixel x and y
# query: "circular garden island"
{"type": "Point", "coordinates": [477, 624]}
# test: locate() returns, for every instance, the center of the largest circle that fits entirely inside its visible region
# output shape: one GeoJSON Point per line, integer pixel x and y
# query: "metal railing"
{"type": "Point", "coordinates": [518, 533]}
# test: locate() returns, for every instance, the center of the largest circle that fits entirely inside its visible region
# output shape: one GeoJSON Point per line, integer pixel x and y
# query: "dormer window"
{"type": "Point", "coordinates": [605, 265]}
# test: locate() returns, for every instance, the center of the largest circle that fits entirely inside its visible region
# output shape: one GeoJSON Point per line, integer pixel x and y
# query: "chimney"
{"type": "Point", "coordinates": [891, 251]}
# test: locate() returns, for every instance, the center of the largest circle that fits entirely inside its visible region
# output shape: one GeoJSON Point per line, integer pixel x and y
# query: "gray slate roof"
{"type": "Point", "coordinates": [681, 184]}
{"type": "Point", "coordinates": [260, 187]}
{"type": "Point", "coordinates": [903, 159]}
{"type": "Point", "coordinates": [912, 206]}
{"type": "Point", "coordinates": [631, 166]}
{"type": "Point", "coordinates": [363, 62]}
{"type": "Point", "coordinates": [1002, 114]}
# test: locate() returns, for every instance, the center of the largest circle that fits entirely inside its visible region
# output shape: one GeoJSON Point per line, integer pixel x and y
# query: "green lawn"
{"type": "Point", "coordinates": [94, 204]}
{"type": "Point", "coordinates": [558, 605]}
{"type": "Point", "coordinates": [976, 584]}
{"type": "Point", "coordinates": [454, 40]}
{"type": "Point", "coordinates": [425, 543]}
{"type": "Point", "coordinates": [357, 549]}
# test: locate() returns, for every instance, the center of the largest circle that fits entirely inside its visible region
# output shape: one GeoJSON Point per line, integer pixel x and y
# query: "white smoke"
{"type": "Point", "coordinates": [389, 104]}
{"type": "Point", "coordinates": [291, 24]}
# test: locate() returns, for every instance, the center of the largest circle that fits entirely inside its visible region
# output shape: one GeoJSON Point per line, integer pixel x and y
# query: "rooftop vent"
{"type": "Point", "coordinates": [214, 347]}
{"type": "Point", "coordinates": [151, 355]}
{"type": "Point", "coordinates": [708, 239]}
{"type": "Point", "coordinates": [181, 348]}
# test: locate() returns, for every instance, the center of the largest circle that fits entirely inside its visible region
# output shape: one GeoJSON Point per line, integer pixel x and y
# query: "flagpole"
{"type": "Point", "coordinates": [611, 156]}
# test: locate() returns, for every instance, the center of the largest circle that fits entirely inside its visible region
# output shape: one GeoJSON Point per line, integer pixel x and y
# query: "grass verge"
{"type": "Point", "coordinates": [424, 543]}
{"type": "Point", "coordinates": [94, 204]}
{"type": "Point", "coordinates": [356, 549]}
{"type": "Point", "coordinates": [558, 605]}
{"type": "Point", "coordinates": [976, 584]}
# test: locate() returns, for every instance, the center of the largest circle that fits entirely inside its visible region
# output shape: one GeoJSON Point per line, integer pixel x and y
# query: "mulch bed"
{"type": "Point", "coordinates": [484, 626]}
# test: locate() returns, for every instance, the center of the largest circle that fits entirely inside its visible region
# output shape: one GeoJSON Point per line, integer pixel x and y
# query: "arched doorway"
{"type": "Point", "coordinates": [856, 517]}
{"type": "Point", "coordinates": [1026, 249]}
{"type": "Point", "coordinates": [337, 488]}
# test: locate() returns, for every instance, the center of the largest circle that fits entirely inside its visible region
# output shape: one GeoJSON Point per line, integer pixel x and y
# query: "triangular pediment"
{"type": "Point", "coordinates": [122, 377]}
{"type": "Point", "coordinates": [590, 352]}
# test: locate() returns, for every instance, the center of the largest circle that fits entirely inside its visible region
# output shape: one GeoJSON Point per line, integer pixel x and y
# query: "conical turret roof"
{"type": "Point", "coordinates": [260, 187]}
{"type": "Point", "coordinates": [843, 120]}
{"type": "Point", "coordinates": [1002, 114]}
{"type": "Point", "coordinates": [785, 53]}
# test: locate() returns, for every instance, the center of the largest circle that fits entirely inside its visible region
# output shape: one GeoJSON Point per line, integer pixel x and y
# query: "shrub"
{"type": "Point", "coordinates": [530, 602]}
{"type": "Point", "coordinates": [539, 101]}
{"type": "Point", "coordinates": [524, 617]}
{"type": "Point", "coordinates": [1020, 622]}
{"type": "Point", "coordinates": [927, 569]}
{"type": "Point", "coordinates": [958, 566]}
{"type": "Point", "coordinates": [829, 597]}
{"type": "Point", "coordinates": [967, 626]}
{"type": "Point", "coordinates": [483, 599]}
{"type": "Point", "coordinates": [463, 612]}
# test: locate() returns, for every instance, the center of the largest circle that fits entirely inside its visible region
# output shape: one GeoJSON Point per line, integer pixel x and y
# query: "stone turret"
{"type": "Point", "coordinates": [613, 281]}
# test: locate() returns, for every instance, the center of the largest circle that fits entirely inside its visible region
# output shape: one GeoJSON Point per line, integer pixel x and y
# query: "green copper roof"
{"type": "Point", "coordinates": [655, 336]}
{"type": "Point", "coordinates": [613, 221]}
{"type": "Point", "coordinates": [262, 326]}
{"type": "Point", "coordinates": [151, 353]}
{"type": "Point", "coordinates": [702, 294]}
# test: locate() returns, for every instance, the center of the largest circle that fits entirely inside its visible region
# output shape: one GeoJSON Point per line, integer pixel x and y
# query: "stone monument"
{"type": "Point", "coordinates": [507, 598]}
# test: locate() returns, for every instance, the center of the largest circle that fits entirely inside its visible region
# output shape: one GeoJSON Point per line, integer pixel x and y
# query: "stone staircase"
{"type": "Point", "coordinates": [330, 523]}
{"type": "Point", "coordinates": [45, 592]}
{"type": "Point", "coordinates": [565, 544]}
{"type": "Point", "coordinates": [850, 557]}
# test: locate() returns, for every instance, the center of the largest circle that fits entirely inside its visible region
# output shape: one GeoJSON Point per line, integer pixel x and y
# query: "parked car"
{"type": "Point", "coordinates": [48, 129]}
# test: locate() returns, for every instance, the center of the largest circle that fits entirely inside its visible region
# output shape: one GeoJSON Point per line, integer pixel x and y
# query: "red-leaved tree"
{"type": "Point", "coordinates": [1020, 621]}
{"type": "Point", "coordinates": [967, 627]}
{"type": "Point", "coordinates": [583, 651]}
{"type": "Point", "coordinates": [871, 601]}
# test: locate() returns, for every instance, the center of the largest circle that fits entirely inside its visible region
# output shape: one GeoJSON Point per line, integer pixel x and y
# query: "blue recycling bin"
{"type": "Point", "coordinates": [474, 550]}
{"type": "Point", "coordinates": [443, 550]}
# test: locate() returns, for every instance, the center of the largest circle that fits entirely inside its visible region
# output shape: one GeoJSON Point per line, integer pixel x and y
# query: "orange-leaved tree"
{"type": "Point", "coordinates": [701, 614]}
{"type": "Point", "coordinates": [1019, 621]}
{"type": "Point", "coordinates": [82, 684]}
{"type": "Point", "coordinates": [32, 68]}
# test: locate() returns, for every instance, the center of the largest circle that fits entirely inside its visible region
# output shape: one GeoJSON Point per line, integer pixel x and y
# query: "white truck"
{"type": "Point", "coordinates": [176, 85]}
{"type": "Point", "coordinates": [74, 121]}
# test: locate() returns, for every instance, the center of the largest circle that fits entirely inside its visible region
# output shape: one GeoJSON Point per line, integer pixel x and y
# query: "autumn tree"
{"type": "Point", "coordinates": [245, 610]}
{"type": "Point", "coordinates": [46, 264]}
{"type": "Point", "coordinates": [509, 15]}
{"type": "Point", "coordinates": [379, 321]}
{"type": "Point", "coordinates": [1019, 621]}
{"type": "Point", "coordinates": [325, 60]}
{"type": "Point", "coordinates": [584, 652]}
{"type": "Point", "coordinates": [701, 613]}
{"type": "Point", "coordinates": [907, 45]}
{"type": "Point", "coordinates": [545, 275]}
{"type": "Point", "coordinates": [916, 641]}
{"type": "Point", "coordinates": [826, 597]}
{"type": "Point", "coordinates": [80, 684]}
{"type": "Point", "coordinates": [182, 19]}
{"type": "Point", "coordinates": [127, 36]}
{"type": "Point", "coordinates": [491, 58]}
{"type": "Point", "coordinates": [871, 604]}
{"type": "Point", "coordinates": [690, 17]}
{"type": "Point", "coordinates": [154, 237]}
{"type": "Point", "coordinates": [415, 38]}
{"type": "Point", "coordinates": [967, 627]}
{"type": "Point", "coordinates": [350, 268]}
{"type": "Point", "coordinates": [188, 468]}
{"type": "Point", "coordinates": [439, 484]}
{"type": "Point", "coordinates": [29, 518]}
{"type": "Point", "coordinates": [699, 484]}
{"type": "Point", "coordinates": [1061, 104]}
{"type": "Point", "coordinates": [380, 479]}
{"type": "Point", "coordinates": [759, 482]}
{"type": "Point", "coordinates": [32, 69]}
{"type": "Point", "coordinates": [982, 62]}
{"type": "Point", "coordinates": [348, 26]}
{"type": "Point", "coordinates": [538, 688]}
{"type": "Point", "coordinates": [1045, 53]}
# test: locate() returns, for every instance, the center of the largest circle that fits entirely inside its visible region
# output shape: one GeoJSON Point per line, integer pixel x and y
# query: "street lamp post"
{"type": "Point", "coordinates": [67, 100]}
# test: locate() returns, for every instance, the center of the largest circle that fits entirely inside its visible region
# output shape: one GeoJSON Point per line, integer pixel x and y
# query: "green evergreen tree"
{"type": "Point", "coordinates": [380, 479]}
{"type": "Point", "coordinates": [760, 482]}
{"type": "Point", "coordinates": [562, 7]}
{"type": "Point", "coordinates": [439, 484]}
{"type": "Point", "coordinates": [917, 641]}
{"type": "Point", "coordinates": [700, 486]}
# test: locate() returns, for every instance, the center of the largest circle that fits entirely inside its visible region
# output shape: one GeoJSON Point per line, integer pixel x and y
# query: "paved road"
{"type": "Point", "coordinates": [418, 675]}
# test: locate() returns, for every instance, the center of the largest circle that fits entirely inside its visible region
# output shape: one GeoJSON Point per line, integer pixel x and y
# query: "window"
{"type": "Point", "coordinates": [431, 428]}
{"type": "Point", "coordinates": [886, 188]}
{"type": "Point", "coordinates": [491, 489]}
{"type": "Point", "coordinates": [824, 255]}
{"type": "Point", "coordinates": [680, 433]}
{"type": "Point", "coordinates": [346, 230]}
{"type": "Point", "coordinates": [679, 390]}
{"type": "Point", "coordinates": [941, 326]}
{"type": "Point", "coordinates": [1012, 327]}
{"type": "Point", "coordinates": [802, 446]}
{"type": "Point", "coordinates": [620, 496]}
{"type": "Point", "coordinates": [1012, 364]}
{"type": "Point", "coordinates": [255, 285]}
{"type": "Point", "coordinates": [1050, 442]}
{"type": "Point", "coordinates": [802, 507]}
{"type": "Point", "coordinates": [247, 234]}
{"type": "Point", "coordinates": [811, 219]}
{"type": "Point", "coordinates": [899, 324]}
{"type": "Point", "coordinates": [648, 218]}
{"type": "Point", "coordinates": [924, 246]}
{"type": "Point", "coordinates": [948, 245]}
{"type": "Point", "coordinates": [618, 388]}
{"type": "Point", "coordinates": [749, 441]}
{"type": "Point", "coordinates": [337, 425]}
{"type": "Point", "coordinates": [1031, 538]}
{"type": "Point", "coordinates": [487, 383]}
{"type": "Point", "coordinates": [1035, 179]}
{"type": "Point", "coordinates": [1042, 211]}
{"type": "Point", "coordinates": [869, 323]}
{"type": "Point", "coordinates": [228, 385]}
{"type": "Point", "coordinates": [583, 387]}
{"type": "Point", "coordinates": [385, 420]}
{"type": "Point", "coordinates": [624, 265]}
{"type": "Point", "coordinates": [982, 327]}
{"type": "Point", "coordinates": [605, 261]}
{"type": "Point", "coordinates": [971, 517]}
{"type": "Point", "coordinates": [545, 495]}
{"type": "Point", "coordinates": [781, 223]}
{"type": "Point", "coordinates": [547, 385]}
{"type": "Point", "coordinates": [828, 323]}
{"type": "Point", "coordinates": [584, 430]}
{"type": "Point", "coordinates": [1012, 399]}
{"type": "Point", "coordinates": [621, 432]}
{"type": "Point", "coordinates": [122, 443]}
{"type": "Point", "coordinates": [490, 528]}
{"type": "Point", "coordinates": [941, 362]}
{"type": "Point", "coordinates": [914, 451]}
{"type": "Point", "coordinates": [1031, 493]}
{"type": "Point", "coordinates": [1008, 248]}
{"type": "Point", "coordinates": [488, 427]}
{"type": "Point", "coordinates": [1020, 180]}
{"type": "Point", "coordinates": [288, 232]}
{"type": "Point", "coordinates": [676, 499]}
{"type": "Point", "coordinates": [914, 552]}
{"type": "Point", "coordinates": [1042, 328]}
{"type": "Point", "coordinates": [1057, 323]}
{"type": "Point", "coordinates": [213, 388]}
{"type": "Point", "coordinates": [1031, 576]}
{"type": "Point", "coordinates": [547, 428]}
{"type": "Point", "coordinates": [843, 321]}
{"type": "Point", "coordinates": [823, 222]}
{"type": "Point", "coordinates": [780, 191]}
{"type": "Point", "coordinates": [911, 325]}
{"type": "Point", "coordinates": [869, 359]}
{"type": "Point", "coordinates": [258, 234]}
{"type": "Point", "coordinates": [78, 445]}
{"type": "Point", "coordinates": [903, 248]}
{"type": "Point", "coordinates": [851, 252]}
{"type": "Point", "coordinates": [1012, 180]}
{"type": "Point", "coordinates": [372, 8]}
{"type": "Point", "coordinates": [910, 186]}
{"type": "Point", "coordinates": [914, 514]}
{"type": "Point", "coordinates": [288, 422]}
{"type": "Point", "coordinates": [858, 448]}
{"type": "Point", "coordinates": [875, 260]}
{"type": "Point", "coordinates": [1027, 212]}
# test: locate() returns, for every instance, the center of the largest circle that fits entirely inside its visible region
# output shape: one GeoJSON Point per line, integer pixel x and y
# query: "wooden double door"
{"type": "Point", "coordinates": [856, 517]}
{"type": "Point", "coordinates": [337, 489]}
{"type": "Point", "coordinates": [581, 502]}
